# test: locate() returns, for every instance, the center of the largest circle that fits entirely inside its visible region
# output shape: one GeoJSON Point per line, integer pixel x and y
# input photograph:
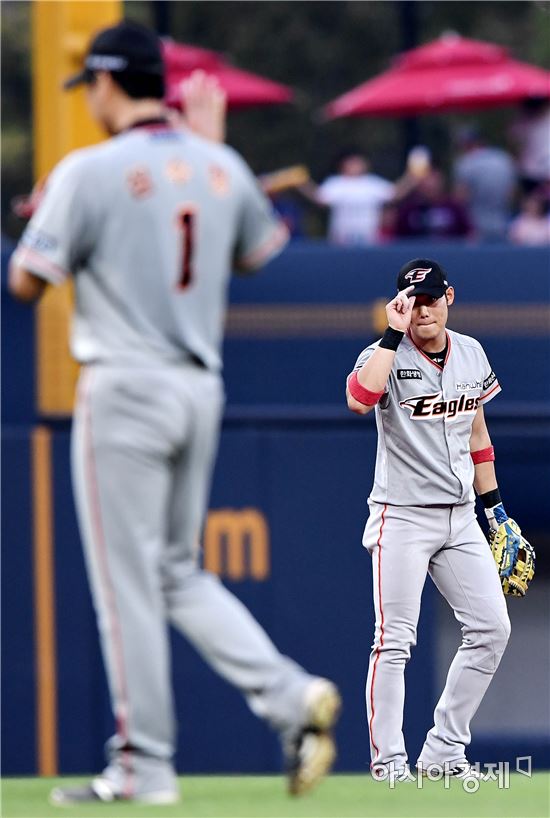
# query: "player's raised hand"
{"type": "Point", "coordinates": [399, 310]}
{"type": "Point", "coordinates": [204, 103]}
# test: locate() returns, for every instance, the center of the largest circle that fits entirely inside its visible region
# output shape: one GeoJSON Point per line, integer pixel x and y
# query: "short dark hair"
{"type": "Point", "coordinates": [347, 152]}
{"type": "Point", "coordinates": [139, 85]}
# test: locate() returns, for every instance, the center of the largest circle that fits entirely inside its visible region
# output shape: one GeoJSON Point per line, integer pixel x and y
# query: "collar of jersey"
{"type": "Point", "coordinates": [151, 124]}
{"type": "Point", "coordinates": [433, 363]}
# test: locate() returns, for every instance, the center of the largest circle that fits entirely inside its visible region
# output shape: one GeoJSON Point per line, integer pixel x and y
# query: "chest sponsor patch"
{"type": "Point", "coordinates": [409, 374]}
{"type": "Point", "coordinates": [465, 386]}
{"type": "Point", "coordinates": [433, 407]}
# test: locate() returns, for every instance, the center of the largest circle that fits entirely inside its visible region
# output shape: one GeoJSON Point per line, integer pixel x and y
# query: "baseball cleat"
{"type": "Point", "coordinates": [311, 753]}
{"type": "Point", "coordinates": [98, 790]}
{"type": "Point", "coordinates": [311, 760]}
{"type": "Point", "coordinates": [383, 772]}
{"type": "Point", "coordinates": [465, 770]}
{"type": "Point", "coordinates": [101, 790]}
{"type": "Point", "coordinates": [323, 705]}
{"type": "Point", "coordinates": [461, 770]}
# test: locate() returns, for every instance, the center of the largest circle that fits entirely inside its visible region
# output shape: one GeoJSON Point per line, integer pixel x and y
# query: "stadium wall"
{"type": "Point", "coordinates": [287, 512]}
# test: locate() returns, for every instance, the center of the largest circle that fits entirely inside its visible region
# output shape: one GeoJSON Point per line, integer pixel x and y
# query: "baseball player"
{"type": "Point", "coordinates": [149, 224]}
{"type": "Point", "coordinates": [428, 386]}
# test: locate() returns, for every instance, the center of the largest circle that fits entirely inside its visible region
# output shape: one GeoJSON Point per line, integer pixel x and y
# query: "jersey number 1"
{"type": "Point", "coordinates": [186, 224]}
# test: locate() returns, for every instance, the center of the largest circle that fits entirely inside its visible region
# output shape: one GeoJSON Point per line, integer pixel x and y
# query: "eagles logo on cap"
{"type": "Point", "coordinates": [417, 275]}
{"type": "Point", "coordinates": [427, 276]}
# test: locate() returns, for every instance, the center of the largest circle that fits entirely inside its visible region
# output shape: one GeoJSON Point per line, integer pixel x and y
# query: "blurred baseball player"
{"type": "Point", "coordinates": [149, 224]}
{"type": "Point", "coordinates": [429, 386]}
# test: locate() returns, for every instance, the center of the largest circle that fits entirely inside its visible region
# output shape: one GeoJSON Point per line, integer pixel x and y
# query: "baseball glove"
{"type": "Point", "coordinates": [514, 556]}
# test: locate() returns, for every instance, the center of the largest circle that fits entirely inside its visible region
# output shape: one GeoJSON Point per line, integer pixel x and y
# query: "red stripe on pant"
{"type": "Point", "coordinates": [381, 641]}
{"type": "Point", "coordinates": [121, 716]}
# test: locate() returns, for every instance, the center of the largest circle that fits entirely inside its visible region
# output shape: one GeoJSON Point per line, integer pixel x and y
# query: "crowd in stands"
{"type": "Point", "coordinates": [489, 193]}
{"type": "Point", "coordinates": [492, 194]}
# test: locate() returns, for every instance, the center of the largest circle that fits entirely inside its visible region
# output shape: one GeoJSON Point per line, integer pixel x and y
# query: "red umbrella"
{"type": "Point", "coordinates": [448, 74]}
{"type": "Point", "coordinates": [243, 89]}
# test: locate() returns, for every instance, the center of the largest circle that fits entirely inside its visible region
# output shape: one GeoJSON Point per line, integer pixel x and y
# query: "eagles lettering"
{"type": "Point", "coordinates": [432, 407]}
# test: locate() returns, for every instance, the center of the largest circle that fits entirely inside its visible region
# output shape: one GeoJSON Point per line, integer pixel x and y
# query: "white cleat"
{"type": "Point", "coordinates": [100, 790]}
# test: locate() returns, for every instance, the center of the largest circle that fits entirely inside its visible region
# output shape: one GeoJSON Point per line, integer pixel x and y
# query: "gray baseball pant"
{"type": "Point", "coordinates": [143, 448]}
{"type": "Point", "coordinates": [406, 544]}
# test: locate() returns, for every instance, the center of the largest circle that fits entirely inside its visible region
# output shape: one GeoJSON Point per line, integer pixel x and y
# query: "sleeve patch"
{"type": "Point", "coordinates": [39, 240]}
{"type": "Point", "coordinates": [489, 380]}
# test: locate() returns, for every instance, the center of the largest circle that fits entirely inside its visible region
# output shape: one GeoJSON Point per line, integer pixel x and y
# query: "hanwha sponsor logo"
{"type": "Point", "coordinates": [433, 407]}
{"type": "Point", "coordinates": [465, 386]}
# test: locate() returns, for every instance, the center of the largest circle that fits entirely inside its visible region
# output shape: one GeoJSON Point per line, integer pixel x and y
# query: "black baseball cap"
{"type": "Point", "coordinates": [427, 275]}
{"type": "Point", "coordinates": [128, 46]}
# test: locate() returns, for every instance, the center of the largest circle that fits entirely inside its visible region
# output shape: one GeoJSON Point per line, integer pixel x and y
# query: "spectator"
{"type": "Point", "coordinates": [485, 181]}
{"type": "Point", "coordinates": [531, 134]}
{"type": "Point", "coordinates": [355, 198]}
{"type": "Point", "coordinates": [532, 225]}
{"type": "Point", "coordinates": [429, 212]}
{"type": "Point", "coordinates": [418, 166]}
{"type": "Point", "coordinates": [388, 221]}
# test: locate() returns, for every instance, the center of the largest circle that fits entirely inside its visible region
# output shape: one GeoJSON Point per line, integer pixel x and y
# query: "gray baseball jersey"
{"type": "Point", "coordinates": [422, 520]}
{"type": "Point", "coordinates": [424, 421]}
{"type": "Point", "coordinates": [149, 224]}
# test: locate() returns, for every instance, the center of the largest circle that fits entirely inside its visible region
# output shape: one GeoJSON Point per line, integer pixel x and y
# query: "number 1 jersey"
{"type": "Point", "coordinates": [150, 225]}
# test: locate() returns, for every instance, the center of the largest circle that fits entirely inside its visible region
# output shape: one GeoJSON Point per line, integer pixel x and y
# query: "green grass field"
{"type": "Point", "coordinates": [341, 796]}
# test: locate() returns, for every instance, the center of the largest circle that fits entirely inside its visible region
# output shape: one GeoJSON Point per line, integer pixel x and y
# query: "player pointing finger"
{"type": "Point", "coordinates": [399, 309]}
{"type": "Point", "coordinates": [427, 386]}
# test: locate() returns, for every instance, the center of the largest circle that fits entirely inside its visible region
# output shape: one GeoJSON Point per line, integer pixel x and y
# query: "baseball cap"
{"type": "Point", "coordinates": [427, 275]}
{"type": "Point", "coordinates": [128, 46]}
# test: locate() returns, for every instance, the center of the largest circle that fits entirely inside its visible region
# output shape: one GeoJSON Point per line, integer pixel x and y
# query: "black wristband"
{"type": "Point", "coordinates": [391, 339]}
{"type": "Point", "coordinates": [490, 498]}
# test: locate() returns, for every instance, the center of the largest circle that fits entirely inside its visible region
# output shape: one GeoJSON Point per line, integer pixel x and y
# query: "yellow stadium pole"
{"type": "Point", "coordinates": [44, 603]}
{"type": "Point", "coordinates": [61, 30]}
